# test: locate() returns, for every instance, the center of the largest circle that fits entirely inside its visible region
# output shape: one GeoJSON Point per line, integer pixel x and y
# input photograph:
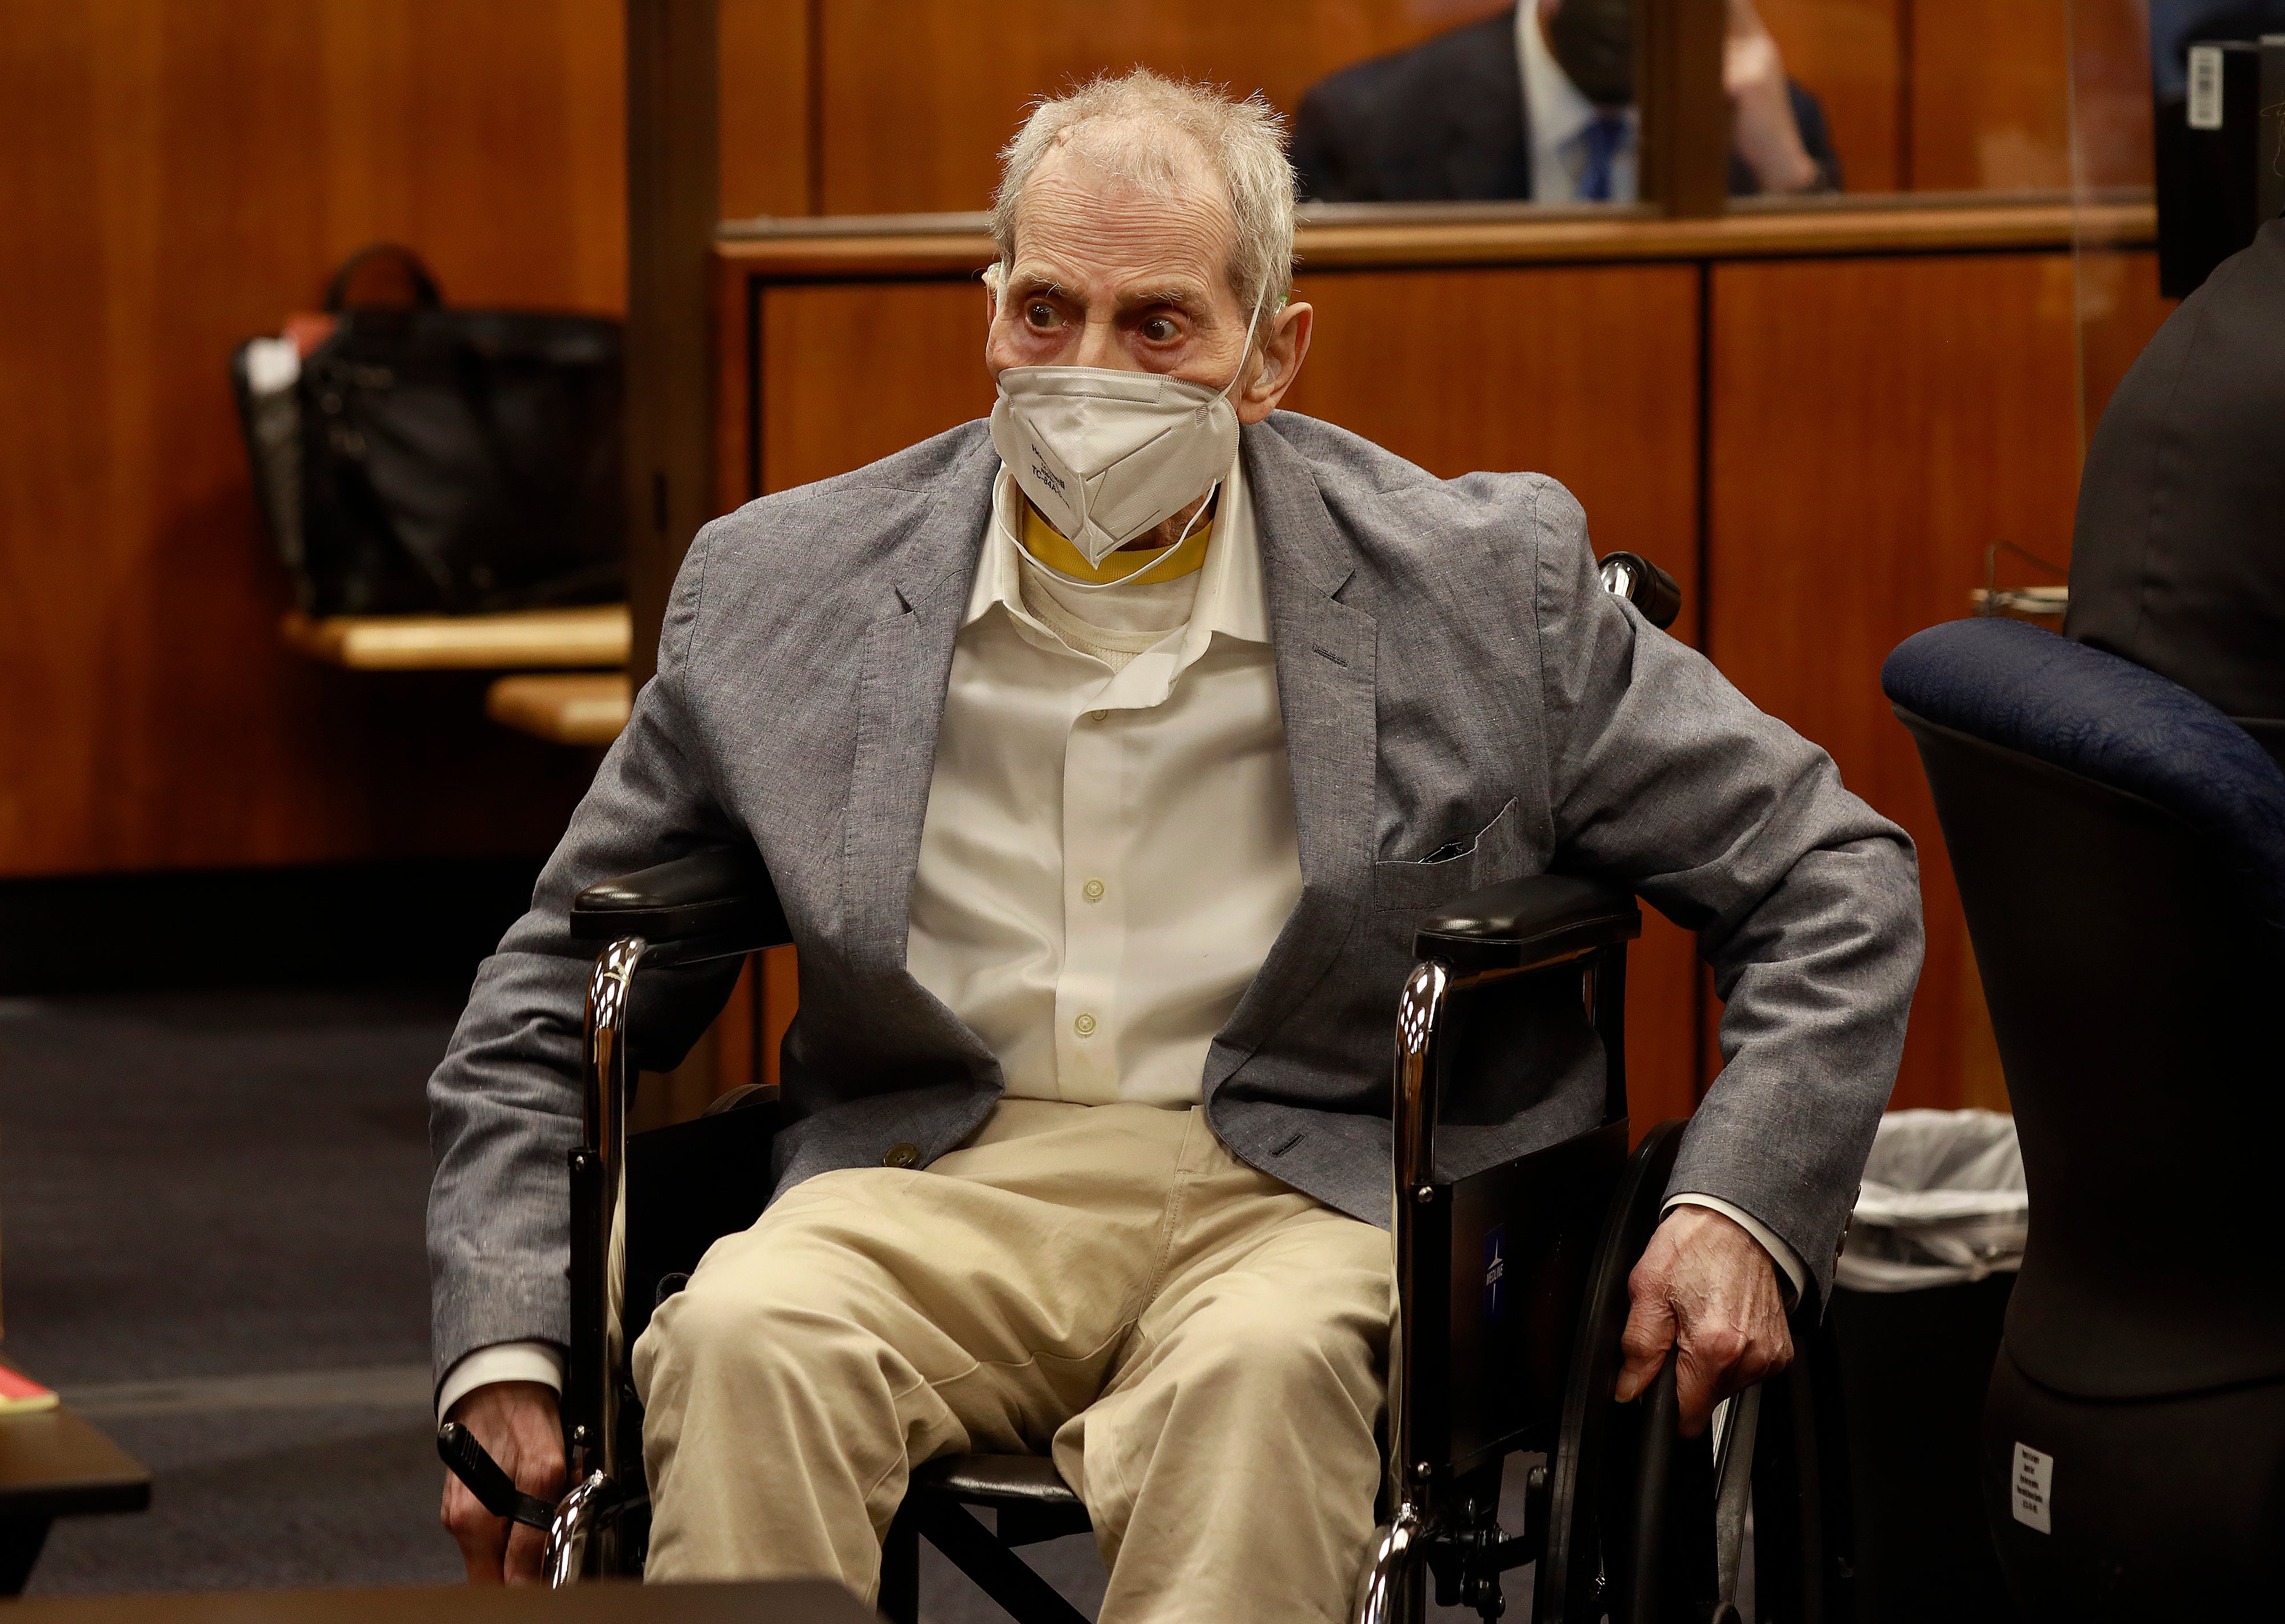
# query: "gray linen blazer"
{"type": "Point", "coordinates": [1451, 673]}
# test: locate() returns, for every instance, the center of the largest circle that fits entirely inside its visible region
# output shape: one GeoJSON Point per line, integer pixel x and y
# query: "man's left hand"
{"type": "Point", "coordinates": [1704, 1286]}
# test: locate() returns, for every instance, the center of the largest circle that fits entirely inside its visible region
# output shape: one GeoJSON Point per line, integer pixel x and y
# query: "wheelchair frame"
{"type": "Point", "coordinates": [1624, 1519]}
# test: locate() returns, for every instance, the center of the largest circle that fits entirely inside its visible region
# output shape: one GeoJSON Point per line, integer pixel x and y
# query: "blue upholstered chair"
{"type": "Point", "coordinates": [2120, 849]}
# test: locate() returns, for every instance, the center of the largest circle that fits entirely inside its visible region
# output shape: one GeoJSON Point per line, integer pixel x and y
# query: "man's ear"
{"type": "Point", "coordinates": [1282, 351]}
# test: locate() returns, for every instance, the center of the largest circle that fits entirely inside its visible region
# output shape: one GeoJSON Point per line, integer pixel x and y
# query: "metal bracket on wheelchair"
{"type": "Point", "coordinates": [1467, 1558]}
{"type": "Point", "coordinates": [608, 1482]}
{"type": "Point", "coordinates": [597, 1502]}
{"type": "Point", "coordinates": [569, 1523]}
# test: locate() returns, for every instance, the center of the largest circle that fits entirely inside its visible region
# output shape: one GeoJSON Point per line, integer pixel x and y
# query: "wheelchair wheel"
{"type": "Point", "coordinates": [1645, 1526]}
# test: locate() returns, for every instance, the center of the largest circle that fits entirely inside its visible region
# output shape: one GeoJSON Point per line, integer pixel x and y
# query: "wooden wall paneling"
{"type": "Point", "coordinates": [2110, 91]}
{"type": "Point", "coordinates": [1850, 55]}
{"type": "Point", "coordinates": [780, 989]}
{"type": "Point", "coordinates": [1682, 143]}
{"type": "Point", "coordinates": [1588, 373]}
{"type": "Point", "coordinates": [673, 205]}
{"type": "Point", "coordinates": [919, 95]}
{"type": "Point", "coordinates": [736, 295]}
{"type": "Point", "coordinates": [766, 156]}
{"type": "Point", "coordinates": [1875, 425]}
{"type": "Point", "coordinates": [2119, 306]}
{"type": "Point", "coordinates": [2119, 311]}
{"type": "Point", "coordinates": [852, 372]}
{"type": "Point", "coordinates": [1990, 95]}
{"type": "Point", "coordinates": [176, 177]}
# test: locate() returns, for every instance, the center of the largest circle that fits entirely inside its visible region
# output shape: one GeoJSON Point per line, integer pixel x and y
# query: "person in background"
{"type": "Point", "coordinates": [2177, 560]}
{"type": "Point", "coordinates": [1538, 103]}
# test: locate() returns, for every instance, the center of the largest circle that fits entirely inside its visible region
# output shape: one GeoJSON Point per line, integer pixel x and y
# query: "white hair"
{"type": "Point", "coordinates": [1134, 127]}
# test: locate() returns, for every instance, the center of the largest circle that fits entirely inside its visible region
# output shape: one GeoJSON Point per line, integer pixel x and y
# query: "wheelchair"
{"type": "Point", "coordinates": [1510, 1292]}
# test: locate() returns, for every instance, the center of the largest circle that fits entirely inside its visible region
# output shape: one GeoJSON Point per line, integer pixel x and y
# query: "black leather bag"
{"type": "Point", "coordinates": [451, 461]}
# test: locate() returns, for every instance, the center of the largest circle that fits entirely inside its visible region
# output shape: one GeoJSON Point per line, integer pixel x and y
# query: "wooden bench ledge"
{"type": "Point", "coordinates": [598, 635]}
{"type": "Point", "coordinates": [585, 708]}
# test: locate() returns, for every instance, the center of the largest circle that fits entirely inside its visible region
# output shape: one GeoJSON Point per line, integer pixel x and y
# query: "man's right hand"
{"type": "Point", "coordinates": [519, 1424]}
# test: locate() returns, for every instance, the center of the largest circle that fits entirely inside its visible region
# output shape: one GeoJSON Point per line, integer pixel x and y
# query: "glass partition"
{"type": "Point", "coordinates": [893, 108]}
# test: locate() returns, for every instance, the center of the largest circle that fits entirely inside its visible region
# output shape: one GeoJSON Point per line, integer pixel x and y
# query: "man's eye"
{"type": "Point", "coordinates": [1040, 313]}
{"type": "Point", "coordinates": [1159, 330]}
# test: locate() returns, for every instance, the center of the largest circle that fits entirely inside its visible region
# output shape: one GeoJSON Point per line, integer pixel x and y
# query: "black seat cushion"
{"type": "Point", "coordinates": [997, 1480]}
{"type": "Point", "coordinates": [1029, 1498]}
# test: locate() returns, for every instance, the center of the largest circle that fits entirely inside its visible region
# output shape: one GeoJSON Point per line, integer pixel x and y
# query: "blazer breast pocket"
{"type": "Point", "coordinates": [1492, 854]}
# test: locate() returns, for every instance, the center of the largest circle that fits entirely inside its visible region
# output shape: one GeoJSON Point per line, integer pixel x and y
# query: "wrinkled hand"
{"type": "Point", "coordinates": [518, 1422]}
{"type": "Point", "coordinates": [1705, 1285]}
{"type": "Point", "coordinates": [1760, 106]}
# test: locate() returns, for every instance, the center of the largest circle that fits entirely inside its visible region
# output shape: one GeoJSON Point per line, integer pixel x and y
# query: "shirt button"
{"type": "Point", "coordinates": [902, 1156]}
{"type": "Point", "coordinates": [1092, 890]}
{"type": "Point", "coordinates": [1084, 1026]}
{"type": "Point", "coordinates": [1098, 716]}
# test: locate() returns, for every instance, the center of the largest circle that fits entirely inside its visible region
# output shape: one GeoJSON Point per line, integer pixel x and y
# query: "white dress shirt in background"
{"type": "Point", "coordinates": [1555, 119]}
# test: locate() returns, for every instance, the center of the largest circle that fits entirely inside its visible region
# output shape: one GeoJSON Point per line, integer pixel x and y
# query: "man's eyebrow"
{"type": "Point", "coordinates": [1032, 282]}
{"type": "Point", "coordinates": [1188, 295]}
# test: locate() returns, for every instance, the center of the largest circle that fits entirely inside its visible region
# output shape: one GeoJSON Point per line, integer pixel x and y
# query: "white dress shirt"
{"type": "Point", "coordinates": [1556, 116]}
{"type": "Point", "coordinates": [1109, 850]}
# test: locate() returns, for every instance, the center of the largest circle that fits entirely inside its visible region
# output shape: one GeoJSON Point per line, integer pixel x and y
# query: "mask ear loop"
{"type": "Point", "coordinates": [1258, 300]}
{"type": "Point", "coordinates": [1205, 502]}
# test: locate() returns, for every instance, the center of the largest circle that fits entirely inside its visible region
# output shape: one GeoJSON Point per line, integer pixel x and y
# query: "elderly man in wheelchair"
{"type": "Point", "coordinates": [1126, 769]}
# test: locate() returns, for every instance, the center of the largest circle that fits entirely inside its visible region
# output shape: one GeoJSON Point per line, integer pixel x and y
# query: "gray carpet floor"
{"type": "Point", "coordinates": [212, 1209]}
{"type": "Point", "coordinates": [224, 1192]}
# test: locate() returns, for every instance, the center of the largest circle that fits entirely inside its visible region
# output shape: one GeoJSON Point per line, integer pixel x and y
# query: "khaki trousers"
{"type": "Point", "coordinates": [1199, 1345]}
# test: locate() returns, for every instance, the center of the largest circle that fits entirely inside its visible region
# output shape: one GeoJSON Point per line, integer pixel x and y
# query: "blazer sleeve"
{"type": "Point", "coordinates": [1806, 902]}
{"type": "Point", "coordinates": [1816, 140]}
{"type": "Point", "coordinates": [505, 1105]}
{"type": "Point", "coordinates": [1815, 134]}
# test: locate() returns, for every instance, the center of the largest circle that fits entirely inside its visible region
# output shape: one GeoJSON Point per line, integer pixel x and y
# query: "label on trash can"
{"type": "Point", "coordinates": [2035, 1482]}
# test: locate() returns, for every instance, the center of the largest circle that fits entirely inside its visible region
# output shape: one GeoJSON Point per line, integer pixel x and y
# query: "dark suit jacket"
{"type": "Point", "coordinates": [1444, 121]}
{"type": "Point", "coordinates": [2178, 559]}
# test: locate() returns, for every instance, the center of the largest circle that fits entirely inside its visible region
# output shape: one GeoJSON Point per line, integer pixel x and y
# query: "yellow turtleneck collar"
{"type": "Point", "coordinates": [1046, 544]}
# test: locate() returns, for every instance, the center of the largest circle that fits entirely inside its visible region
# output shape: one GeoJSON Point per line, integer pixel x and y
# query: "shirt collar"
{"type": "Point", "coordinates": [1230, 599]}
{"type": "Point", "coordinates": [1554, 113]}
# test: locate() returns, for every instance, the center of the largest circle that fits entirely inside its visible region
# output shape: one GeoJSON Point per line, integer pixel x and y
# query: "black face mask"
{"type": "Point", "coordinates": [1593, 42]}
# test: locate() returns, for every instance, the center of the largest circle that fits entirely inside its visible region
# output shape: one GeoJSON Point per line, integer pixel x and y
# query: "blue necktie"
{"type": "Point", "coordinates": [1604, 137]}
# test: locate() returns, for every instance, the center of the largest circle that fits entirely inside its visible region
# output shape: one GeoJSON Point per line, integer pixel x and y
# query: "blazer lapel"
{"type": "Point", "coordinates": [1325, 653]}
{"type": "Point", "coordinates": [904, 663]}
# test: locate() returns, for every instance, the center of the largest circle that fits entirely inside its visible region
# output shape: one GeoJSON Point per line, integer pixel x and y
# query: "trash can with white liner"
{"type": "Point", "coordinates": [1919, 1296]}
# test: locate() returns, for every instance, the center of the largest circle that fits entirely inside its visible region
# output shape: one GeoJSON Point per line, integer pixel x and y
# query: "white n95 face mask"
{"type": "Point", "coordinates": [1105, 454]}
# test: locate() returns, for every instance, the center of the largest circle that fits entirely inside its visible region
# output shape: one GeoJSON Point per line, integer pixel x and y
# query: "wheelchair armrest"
{"type": "Point", "coordinates": [1527, 924]}
{"type": "Point", "coordinates": [722, 896]}
{"type": "Point", "coordinates": [1643, 583]}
